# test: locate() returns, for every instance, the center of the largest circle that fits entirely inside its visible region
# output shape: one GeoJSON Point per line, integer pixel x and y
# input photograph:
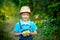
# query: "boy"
{"type": "Point", "coordinates": [25, 28]}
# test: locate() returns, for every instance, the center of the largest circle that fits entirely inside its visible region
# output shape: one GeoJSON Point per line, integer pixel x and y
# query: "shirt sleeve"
{"type": "Point", "coordinates": [34, 27]}
{"type": "Point", "coordinates": [16, 27]}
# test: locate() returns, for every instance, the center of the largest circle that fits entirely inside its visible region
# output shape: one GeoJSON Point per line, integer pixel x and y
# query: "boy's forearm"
{"type": "Point", "coordinates": [33, 33]}
{"type": "Point", "coordinates": [17, 34]}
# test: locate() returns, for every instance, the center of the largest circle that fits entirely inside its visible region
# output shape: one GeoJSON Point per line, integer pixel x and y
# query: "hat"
{"type": "Point", "coordinates": [25, 9]}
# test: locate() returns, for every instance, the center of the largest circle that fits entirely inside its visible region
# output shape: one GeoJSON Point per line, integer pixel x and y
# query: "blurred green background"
{"type": "Point", "coordinates": [45, 14]}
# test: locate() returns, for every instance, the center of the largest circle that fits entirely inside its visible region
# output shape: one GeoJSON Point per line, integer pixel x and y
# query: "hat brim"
{"type": "Point", "coordinates": [25, 12]}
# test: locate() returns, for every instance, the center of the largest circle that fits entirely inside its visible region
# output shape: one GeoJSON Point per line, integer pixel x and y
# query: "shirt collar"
{"type": "Point", "coordinates": [23, 23]}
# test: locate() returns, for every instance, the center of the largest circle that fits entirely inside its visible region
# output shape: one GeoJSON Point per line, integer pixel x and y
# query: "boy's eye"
{"type": "Point", "coordinates": [25, 14]}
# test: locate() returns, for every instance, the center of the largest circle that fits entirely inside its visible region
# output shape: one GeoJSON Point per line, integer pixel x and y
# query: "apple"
{"type": "Point", "coordinates": [26, 32]}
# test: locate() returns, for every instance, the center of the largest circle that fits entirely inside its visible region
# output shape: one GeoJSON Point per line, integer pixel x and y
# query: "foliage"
{"type": "Point", "coordinates": [45, 14]}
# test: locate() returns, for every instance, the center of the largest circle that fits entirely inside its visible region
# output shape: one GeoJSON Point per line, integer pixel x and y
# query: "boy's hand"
{"type": "Point", "coordinates": [24, 35]}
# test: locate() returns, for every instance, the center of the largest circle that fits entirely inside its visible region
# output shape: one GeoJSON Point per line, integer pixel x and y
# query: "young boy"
{"type": "Point", "coordinates": [25, 28]}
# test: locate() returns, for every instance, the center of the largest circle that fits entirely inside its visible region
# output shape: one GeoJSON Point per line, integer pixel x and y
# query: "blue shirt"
{"type": "Point", "coordinates": [25, 26]}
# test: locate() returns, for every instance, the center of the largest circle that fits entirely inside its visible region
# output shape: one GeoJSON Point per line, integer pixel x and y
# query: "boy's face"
{"type": "Point", "coordinates": [25, 16]}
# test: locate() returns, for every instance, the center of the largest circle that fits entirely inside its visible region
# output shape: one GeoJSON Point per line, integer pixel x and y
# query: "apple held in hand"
{"type": "Point", "coordinates": [26, 32]}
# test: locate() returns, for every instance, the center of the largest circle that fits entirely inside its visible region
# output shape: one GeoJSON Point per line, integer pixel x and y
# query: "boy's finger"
{"type": "Point", "coordinates": [28, 34]}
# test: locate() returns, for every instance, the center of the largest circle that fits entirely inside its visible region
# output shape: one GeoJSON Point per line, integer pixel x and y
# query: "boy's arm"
{"type": "Point", "coordinates": [34, 29]}
{"type": "Point", "coordinates": [16, 30]}
{"type": "Point", "coordinates": [33, 33]}
{"type": "Point", "coordinates": [17, 34]}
